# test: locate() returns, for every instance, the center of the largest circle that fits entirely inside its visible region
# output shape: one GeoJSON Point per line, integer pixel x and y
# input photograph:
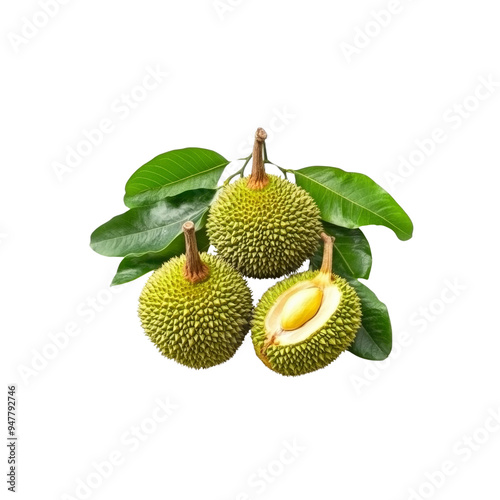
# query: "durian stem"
{"type": "Point", "coordinates": [194, 269]}
{"type": "Point", "coordinates": [327, 263]}
{"type": "Point", "coordinates": [258, 178]}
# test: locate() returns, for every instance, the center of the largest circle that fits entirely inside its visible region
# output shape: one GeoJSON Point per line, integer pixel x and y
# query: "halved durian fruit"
{"type": "Point", "coordinates": [304, 322]}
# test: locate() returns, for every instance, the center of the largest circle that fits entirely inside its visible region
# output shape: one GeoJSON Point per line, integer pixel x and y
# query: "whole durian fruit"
{"type": "Point", "coordinates": [304, 322]}
{"type": "Point", "coordinates": [196, 308]}
{"type": "Point", "coordinates": [263, 225]}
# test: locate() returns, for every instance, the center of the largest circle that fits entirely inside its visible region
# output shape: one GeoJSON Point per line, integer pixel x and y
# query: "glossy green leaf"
{"type": "Point", "coordinates": [352, 256]}
{"type": "Point", "coordinates": [353, 200]}
{"type": "Point", "coordinates": [134, 266]}
{"type": "Point", "coordinates": [152, 228]}
{"type": "Point", "coordinates": [172, 173]}
{"type": "Point", "coordinates": [374, 339]}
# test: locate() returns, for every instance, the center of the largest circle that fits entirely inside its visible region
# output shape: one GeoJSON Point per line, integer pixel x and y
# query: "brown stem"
{"type": "Point", "coordinates": [326, 264]}
{"type": "Point", "coordinates": [258, 178]}
{"type": "Point", "coordinates": [194, 269]}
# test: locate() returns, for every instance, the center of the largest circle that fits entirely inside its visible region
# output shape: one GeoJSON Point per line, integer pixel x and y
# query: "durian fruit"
{"type": "Point", "coordinates": [264, 225]}
{"type": "Point", "coordinates": [196, 308]}
{"type": "Point", "coordinates": [304, 322]}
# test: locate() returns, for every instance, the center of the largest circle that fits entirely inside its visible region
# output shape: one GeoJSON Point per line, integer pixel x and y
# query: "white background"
{"type": "Point", "coordinates": [361, 429]}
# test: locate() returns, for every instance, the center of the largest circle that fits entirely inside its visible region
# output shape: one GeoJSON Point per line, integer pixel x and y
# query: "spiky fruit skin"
{"type": "Point", "coordinates": [320, 348]}
{"type": "Point", "coordinates": [264, 233]}
{"type": "Point", "coordinates": [198, 325]}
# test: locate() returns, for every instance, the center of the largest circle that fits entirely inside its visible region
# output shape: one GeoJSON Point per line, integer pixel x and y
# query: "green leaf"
{"type": "Point", "coordinates": [172, 173]}
{"type": "Point", "coordinates": [352, 256]}
{"type": "Point", "coordinates": [134, 266]}
{"type": "Point", "coordinates": [374, 339]}
{"type": "Point", "coordinates": [353, 200]}
{"type": "Point", "coordinates": [154, 227]}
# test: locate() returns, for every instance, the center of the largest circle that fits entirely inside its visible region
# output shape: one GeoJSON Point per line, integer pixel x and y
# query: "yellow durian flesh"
{"type": "Point", "coordinates": [330, 296]}
{"type": "Point", "coordinates": [301, 307]}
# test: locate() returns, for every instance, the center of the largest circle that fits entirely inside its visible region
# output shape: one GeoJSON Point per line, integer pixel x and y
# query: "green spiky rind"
{"type": "Point", "coordinates": [264, 233]}
{"type": "Point", "coordinates": [321, 347]}
{"type": "Point", "coordinates": [198, 325]}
